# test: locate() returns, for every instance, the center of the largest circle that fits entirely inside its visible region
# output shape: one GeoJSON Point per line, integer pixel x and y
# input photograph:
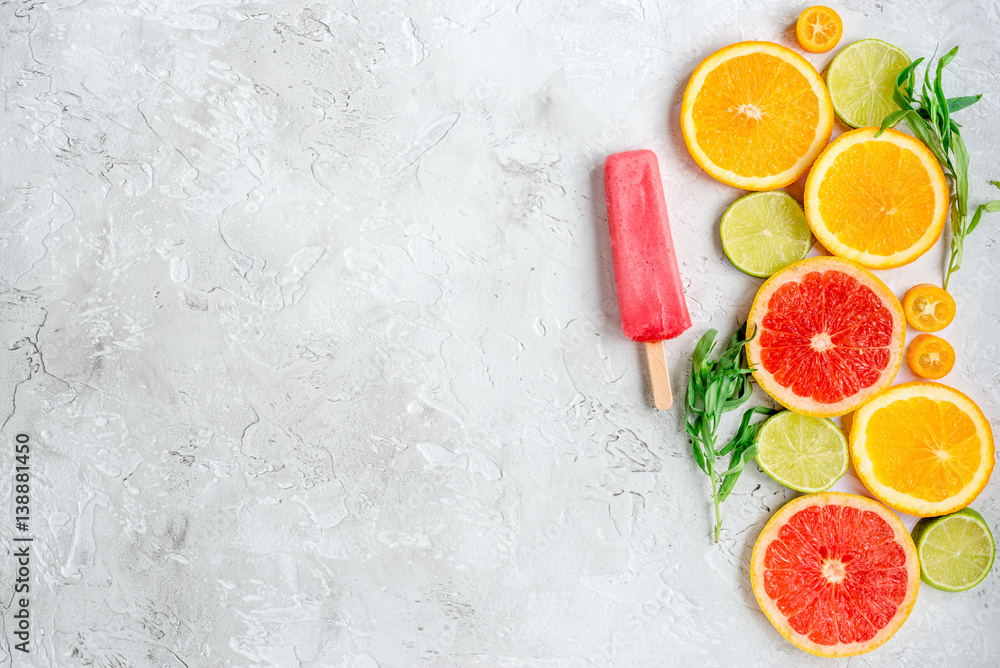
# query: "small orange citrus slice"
{"type": "Point", "coordinates": [922, 448]}
{"type": "Point", "coordinates": [928, 308]}
{"type": "Point", "coordinates": [755, 115]}
{"type": "Point", "coordinates": [930, 356]}
{"type": "Point", "coordinates": [818, 29]}
{"type": "Point", "coordinates": [880, 201]}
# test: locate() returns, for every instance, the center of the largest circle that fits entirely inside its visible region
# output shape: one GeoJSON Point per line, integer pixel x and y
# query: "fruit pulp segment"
{"type": "Point", "coordinates": [877, 198]}
{"type": "Point", "coordinates": [756, 115]}
{"type": "Point", "coordinates": [820, 27]}
{"type": "Point", "coordinates": [826, 337]}
{"type": "Point", "coordinates": [836, 573]}
{"type": "Point", "coordinates": [929, 449]}
{"type": "Point", "coordinates": [929, 313]}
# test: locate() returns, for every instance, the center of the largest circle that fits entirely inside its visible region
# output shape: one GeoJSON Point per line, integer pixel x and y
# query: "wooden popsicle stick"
{"type": "Point", "coordinates": [659, 376]}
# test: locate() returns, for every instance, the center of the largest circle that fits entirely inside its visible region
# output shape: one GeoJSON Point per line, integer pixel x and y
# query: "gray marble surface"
{"type": "Point", "coordinates": [308, 311]}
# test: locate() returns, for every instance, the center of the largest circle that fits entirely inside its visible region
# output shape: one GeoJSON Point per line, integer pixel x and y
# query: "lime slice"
{"type": "Point", "coordinates": [765, 232]}
{"type": "Point", "coordinates": [956, 551]}
{"type": "Point", "coordinates": [861, 80]}
{"type": "Point", "coordinates": [805, 453]}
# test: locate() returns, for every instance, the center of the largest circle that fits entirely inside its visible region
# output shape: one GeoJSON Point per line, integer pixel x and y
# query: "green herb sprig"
{"type": "Point", "coordinates": [717, 387]}
{"type": "Point", "coordinates": [929, 118]}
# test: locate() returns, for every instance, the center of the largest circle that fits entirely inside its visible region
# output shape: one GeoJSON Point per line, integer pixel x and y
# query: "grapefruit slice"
{"type": "Point", "coordinates": [828, 336]}
{"type": "Point", "coordinates": [837, 574]}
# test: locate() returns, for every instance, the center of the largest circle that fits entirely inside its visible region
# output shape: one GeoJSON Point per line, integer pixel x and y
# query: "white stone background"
{"type": "Point", "coordinates": [308, 309]}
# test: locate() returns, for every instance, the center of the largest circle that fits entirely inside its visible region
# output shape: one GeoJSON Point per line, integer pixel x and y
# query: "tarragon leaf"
{"type": "Point", "coordinates": [959, 103]}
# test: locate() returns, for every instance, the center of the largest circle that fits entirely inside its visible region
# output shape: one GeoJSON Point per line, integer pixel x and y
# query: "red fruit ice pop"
{"type": "Point", "coordinates": [650, 295]}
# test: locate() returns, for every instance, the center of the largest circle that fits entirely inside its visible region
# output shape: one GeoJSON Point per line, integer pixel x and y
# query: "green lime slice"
{"type": "Point", "coordinates": [956, 551]}
{"type": "Point", "coordinates": [861, 80]}
{"type": "Point", "coordinates": [765, 232]}
{"type": "Point", "coordinates": [807, 454]}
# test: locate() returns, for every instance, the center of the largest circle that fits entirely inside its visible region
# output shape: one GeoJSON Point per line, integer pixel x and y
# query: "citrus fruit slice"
{"type": "Point", "coordinates": [837, 574]}
{"type": "Point", "coordinates": [818, 29]}
{"type": "Point", "coordinates": [755, 115]}
{"type": "Point", "coordinates": [922, 448]}
{"type": "Point", "coordinates": [807, 454]}
{"type": "Point", "coordinates": [862, 78]}
{"type": "Point", "coordinates": [956, 551]}
{"type": "Point", "coordinates": [930, 356]}
{"type": "Point", "coordinates": [828, 336]}
{"type": "Point", "coordinates": [765, 232]}
{"type": "Point", "coordinates": [878, 201]}
{"type": "Point", "coordinates": [928, 308]}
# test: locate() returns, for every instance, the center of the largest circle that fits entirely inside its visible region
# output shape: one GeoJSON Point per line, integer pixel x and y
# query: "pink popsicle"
{"type": "Point", "coordinates": [650, 294]}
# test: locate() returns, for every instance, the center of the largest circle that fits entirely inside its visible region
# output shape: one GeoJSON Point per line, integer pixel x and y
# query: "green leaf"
{"type": "Point", "coordinates": [744, 448]}
{"type": "Point", "coordinates": [994, 206]}
{"type": "Point", "coordinates": [906, 79]}
{"type": "Point", "coordinates": [979, 214]}
{"type": "Point", "coordinates": [960, 173]}
{"type": "Point", "coordinates": [988, 207]}
{"type": "Point", "coordinates": [959, 103]}
{"type": "Point", "coordinates": [944, 123]}
{"type": "Point", "coordinates": [927, 98]}
{"type": "Point", "coordinates": [740, 432]}
{"type": "Point", "coordinates": [891, 121]}
{"type": "Point", "coordinates": [947, 58]}
{"type": "Point", "coordinates": [922, 131]}
{"type": "Point", "coordinates": [703, 349]}
{"type": "Point", "coordinates": [699, 455]}
{"type": "Point", "coordinates": [740, 459]}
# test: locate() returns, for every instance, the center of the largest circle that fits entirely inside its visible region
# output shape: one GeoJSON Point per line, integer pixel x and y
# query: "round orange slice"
{"type": "Point", "coordinates": [755, 115]}
{"type": "Point", "coordinates": [928, 308]}
{"type": "Point", "coordinates": [837, 574]}
{"type": "Point", "coordinates": [828, 336]}
{"type": "Point", "coordinates": [880, 201]}
{"type": "Point", "coordinates": [922, 448]}
{"type": "Point", "coordinates": [930, 356]}
{"type": "Point", "coordinates": [818, 29]}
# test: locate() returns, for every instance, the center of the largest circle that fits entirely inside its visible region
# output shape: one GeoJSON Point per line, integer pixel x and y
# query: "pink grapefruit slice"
{"type": "Point", "coordinates": [829, 336]}
{"type": "Point", "coordinates": [837, 574]}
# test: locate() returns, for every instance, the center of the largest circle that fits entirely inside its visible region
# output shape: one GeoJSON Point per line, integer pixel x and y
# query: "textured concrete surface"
{"type": "Point", "coordinates": [308, 311]}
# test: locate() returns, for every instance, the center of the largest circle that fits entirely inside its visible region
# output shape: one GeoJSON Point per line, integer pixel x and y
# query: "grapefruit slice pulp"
{"type": "Point", "coordinates": [837, 574]}
{"type": "Point", "coordinates": [829, 336]}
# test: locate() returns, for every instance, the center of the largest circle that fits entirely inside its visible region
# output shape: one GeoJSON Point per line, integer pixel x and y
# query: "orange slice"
{"type": "Point", "coordinates": [922, 448]}
{"type": "Point", "coordinates": [928, 308]}
{"type": "Point", "coordinates": [930, 356]}
{"type": "Point", "coordinates": [755, 115]}
{"type": "Point", "coordinates": [880, 202]}
{"type": "Point", "coordinates": [837, 574]}
{"type": "Point", "coordinates": [818, 29]}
